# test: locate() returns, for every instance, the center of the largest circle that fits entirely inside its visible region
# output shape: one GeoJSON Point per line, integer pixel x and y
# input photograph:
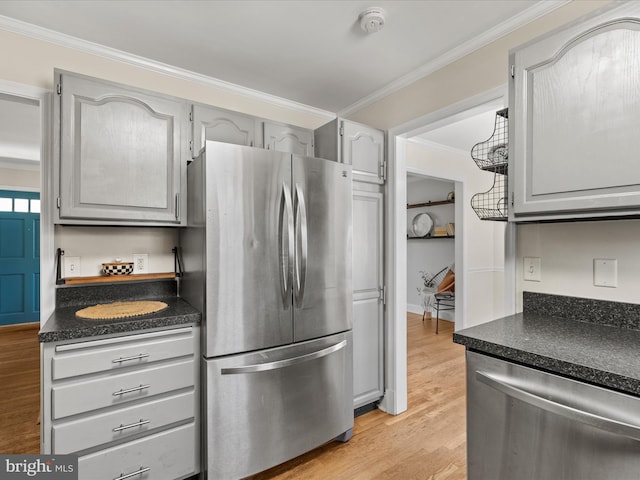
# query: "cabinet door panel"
{"type": "Point", "coordinates": [368, 309]}
{"type": "Point", "coordinates": [220, 125]}
{"type": "Point", "coordinates": [288, 139]}
{"type": "Point", "coordinates": [120, 154]}
{"type": "Point", "coordinates": [575, 110]}
{"type": "Point", "coordinates": [363, 149]}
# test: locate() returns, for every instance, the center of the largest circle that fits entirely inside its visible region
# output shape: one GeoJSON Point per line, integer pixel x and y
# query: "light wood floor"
{"type": "Point", "coordinates": [20, 381]}
{"type": "Point", "coordinates": [427, 442]}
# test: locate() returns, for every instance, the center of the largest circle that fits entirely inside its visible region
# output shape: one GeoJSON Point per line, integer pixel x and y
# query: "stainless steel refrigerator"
{"type": "Point", "coordinates": [267, 259]}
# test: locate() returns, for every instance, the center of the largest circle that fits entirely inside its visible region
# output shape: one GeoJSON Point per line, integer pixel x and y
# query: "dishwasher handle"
{"type": "Point", "coordinates": [262, 367]}
{"type": "Point", "coordinates": [603, 423]}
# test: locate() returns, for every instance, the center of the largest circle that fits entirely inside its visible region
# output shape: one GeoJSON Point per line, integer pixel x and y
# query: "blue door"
{"type": "Point", "coordinates": [19, 257]}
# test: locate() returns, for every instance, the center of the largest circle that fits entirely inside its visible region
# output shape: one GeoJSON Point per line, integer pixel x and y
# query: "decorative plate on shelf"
{"type": "Point", "coordinates": [422, 224]}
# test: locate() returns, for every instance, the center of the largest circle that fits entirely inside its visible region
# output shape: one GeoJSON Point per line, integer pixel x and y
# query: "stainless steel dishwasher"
{"type": "Point", "coordinates": [526, 424]}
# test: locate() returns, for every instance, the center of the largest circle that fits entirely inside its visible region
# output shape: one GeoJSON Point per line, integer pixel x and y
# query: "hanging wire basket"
{"type": "Point", "coordinates": [492, 204]}
{"type": "Point", "coordinates": [493, 154]}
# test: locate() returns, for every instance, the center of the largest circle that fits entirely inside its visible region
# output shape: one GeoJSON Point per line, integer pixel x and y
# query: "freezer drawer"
{"type": "Point", "coordinates": [526, 424]}
{"type": "Point", "coordinates": [266, 407]}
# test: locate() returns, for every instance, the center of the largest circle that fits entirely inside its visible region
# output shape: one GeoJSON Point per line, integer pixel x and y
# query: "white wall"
{"type": "Point", "coordinates": [428, 255]}
{"type": "Point", "coordinates": [567, 251]}
{"type": "Point", "coordinates": [480, 243]}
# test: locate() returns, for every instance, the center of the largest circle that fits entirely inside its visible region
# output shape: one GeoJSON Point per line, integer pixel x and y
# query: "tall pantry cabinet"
{"type": "Point", "coordinates": [362, 147]}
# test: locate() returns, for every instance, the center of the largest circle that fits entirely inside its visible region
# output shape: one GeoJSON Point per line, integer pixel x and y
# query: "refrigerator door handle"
{"type": "Point", "coordinates": [301, 237]}
{"type": "Point", "coordinates": [262, 367]}
{"type": "Point", "coordinates": [286, 207]}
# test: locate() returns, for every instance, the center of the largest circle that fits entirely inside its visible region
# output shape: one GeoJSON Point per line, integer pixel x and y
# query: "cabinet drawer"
{"type": "Point", "coordinates": [167, 455]}
{"type": "Point", "coordinates": [76, 435]}
{"type": "Point", "coordinates": [113, 354]}
{"type": "Point", "coordinates": [87, 395]}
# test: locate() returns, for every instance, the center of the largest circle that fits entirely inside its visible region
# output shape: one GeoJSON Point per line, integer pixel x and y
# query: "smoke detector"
{"type": "Point", "coordinates": [372, 19]}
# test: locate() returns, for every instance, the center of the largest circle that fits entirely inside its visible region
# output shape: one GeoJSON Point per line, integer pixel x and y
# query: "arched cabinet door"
{"type": "Point", "coordinates": [575, 113]}
{"type": "Point", "coordinates": [363, 149]}
{"type": "Point", "coordinates": [217, 124]}
{"type": "Point", "coordinates": [288, 139]}
{"type": "Point", "coordinates": [120, 154]}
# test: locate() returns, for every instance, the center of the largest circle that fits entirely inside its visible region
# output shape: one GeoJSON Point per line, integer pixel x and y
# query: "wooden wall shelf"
{"type": "Point", "coordinates": [430, 238]}
{"type": "Point", "coordinates": [117, 278]}
{"type": "Point", "coordinates": [430, 204]}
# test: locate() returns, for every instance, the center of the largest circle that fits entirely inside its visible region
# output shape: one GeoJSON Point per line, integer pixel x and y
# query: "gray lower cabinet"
{"type": "Point", "coordinates": [220, 125]}
{"type": "Point", "coordinates": [355, 144]}
{"type": "Point", "coordinates": [288, 139]}
{"type": "Point", "coordinates": [368, 295]}
{"type": "Point", "coordinates": [126, 405]}
{"type": "Point", "coordinates": [573, 112]}
{"type": "Point", "coordinates": [119, 154]}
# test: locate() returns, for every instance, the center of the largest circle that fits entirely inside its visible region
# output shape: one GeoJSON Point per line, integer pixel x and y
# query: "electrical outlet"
{"type": "Point", "coordinates": [71, 267]}
{"type": "Point", "coordinates": [532, 269]}
{"type": "Point", "coordinates": [140, 262]}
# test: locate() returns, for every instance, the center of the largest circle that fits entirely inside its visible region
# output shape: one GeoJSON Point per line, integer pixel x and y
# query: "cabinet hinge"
{"type": "Point", "coordinates": [383, 170]}
{"type": "Point", "coordinates": [383, 294]}
{"type": "Point", "coordinates": [191, 146]}
{"type": "Point", "coordinates": [58, 202]}
{"type": "Point", "coordinates": [191, 116]}
{"type": "Point", "coordinates": [341, 131]}
{"type": "Point", "coordinates": [512, 195]}
{"type": "Point", "coordinates": [59, 89]}
{"type": "Point", "coordinates": [513, 71]}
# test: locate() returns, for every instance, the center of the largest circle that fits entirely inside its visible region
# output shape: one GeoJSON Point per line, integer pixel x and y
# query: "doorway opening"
{"type": "Point", "coordinates": [430, 146]}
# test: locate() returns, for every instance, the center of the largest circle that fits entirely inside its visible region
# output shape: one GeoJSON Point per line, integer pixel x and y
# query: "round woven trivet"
{"type": "Point", "coordinates": [107, 311]}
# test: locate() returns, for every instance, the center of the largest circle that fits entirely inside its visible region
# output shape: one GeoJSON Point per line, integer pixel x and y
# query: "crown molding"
{"type": "Point", "coordinates": [74, 43]}
{"type": "Point", "coordinates": [517, 21]}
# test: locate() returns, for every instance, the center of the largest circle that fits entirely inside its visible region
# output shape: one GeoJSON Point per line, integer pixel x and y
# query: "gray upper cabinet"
{"type": "Point", "coordinates": [217, 124]}
{"type": "Point", "coordinates": [574, 111]}
{"type": "Point", "coordinates": [358, 145]}
{"type": "Point", "coordinates": [288, 139]}
{"type": "Point", "coordinates": [119, 158]}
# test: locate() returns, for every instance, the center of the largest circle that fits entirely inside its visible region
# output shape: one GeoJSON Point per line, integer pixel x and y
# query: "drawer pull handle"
{"type": "Point", "coordinates": [128, 359]}
{"type": "Point", "coordinates": [131, 390]}
{"type": "Point", "coordinates": [132, 425]}
{"type": "Point", "coordinates": [133, 474]}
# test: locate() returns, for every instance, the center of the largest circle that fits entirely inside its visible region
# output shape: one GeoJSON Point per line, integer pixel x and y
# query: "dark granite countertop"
{"type": "Point", "coordinates": [598, 354]}
{"type": "Point", "coordinates": [601, 354]}
{"type": "Point", "coordinates": [65, 325]}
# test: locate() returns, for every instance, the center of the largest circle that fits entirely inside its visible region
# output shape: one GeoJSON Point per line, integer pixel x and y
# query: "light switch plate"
{"type": "Point", "coordinates": [605, 272]}
{"type": "Point", "coordinates": [532, 269]}
{"type": "Point", "coordinates": [71, 267]}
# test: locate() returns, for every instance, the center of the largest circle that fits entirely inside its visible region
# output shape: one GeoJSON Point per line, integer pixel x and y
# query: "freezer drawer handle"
{"type": "Point", "coordinates": [131, 425]}
{"type": "Point", "coordinates": [133, 474]}
{"type": "Point", "coordinates": [263, 367]}
{"type": "Point", "coordinates": [131, 390]}
{"type": "Point", "coordinates": [603, 423]}
{"type": "Point", "coordinates": [128, 359]}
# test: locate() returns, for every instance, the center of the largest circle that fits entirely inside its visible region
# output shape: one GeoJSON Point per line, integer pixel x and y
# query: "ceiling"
{"type": "Point", "coordinates": [312, 52]}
